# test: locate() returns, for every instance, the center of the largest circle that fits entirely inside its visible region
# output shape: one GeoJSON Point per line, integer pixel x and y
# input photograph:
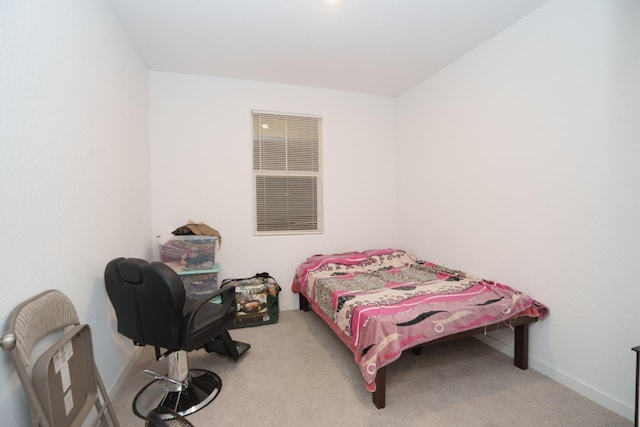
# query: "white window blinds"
{"type": "Point", "coordinates": [287, 173]}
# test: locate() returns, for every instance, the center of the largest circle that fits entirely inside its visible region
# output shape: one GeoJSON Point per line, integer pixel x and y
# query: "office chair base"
{"type": "Point", "coordinates": [203, 388]}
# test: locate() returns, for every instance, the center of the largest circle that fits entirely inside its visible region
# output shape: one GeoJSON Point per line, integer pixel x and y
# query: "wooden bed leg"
{"type": "Point", "coordinates": [521, 347]}
{"type": "Point", "coordinates": [381, 382]}
{"type": "Point", "coordinates": [304, 304]}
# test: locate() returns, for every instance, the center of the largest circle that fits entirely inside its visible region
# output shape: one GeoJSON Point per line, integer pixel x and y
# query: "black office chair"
{"type": "Point", "coordinates": [165, 417]}
{"type": "Point", "coordinates": [151, 309]}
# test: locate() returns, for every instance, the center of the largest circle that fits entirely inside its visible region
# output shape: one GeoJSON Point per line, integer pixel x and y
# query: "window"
{"type": "Point", "coordinates": [287, 173]}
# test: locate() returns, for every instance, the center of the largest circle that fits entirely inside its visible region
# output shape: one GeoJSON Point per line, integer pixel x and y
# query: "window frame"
{"type": "Point", "coordinates": [258, 170]}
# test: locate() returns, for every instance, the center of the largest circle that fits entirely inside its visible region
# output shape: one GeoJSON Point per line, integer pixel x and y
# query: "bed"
{"type": "Point", "coordinates": [385, 301]}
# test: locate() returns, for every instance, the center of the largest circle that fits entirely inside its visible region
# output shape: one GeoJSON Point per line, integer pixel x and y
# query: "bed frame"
{"type": "Point", "coordinates": [520, 346]}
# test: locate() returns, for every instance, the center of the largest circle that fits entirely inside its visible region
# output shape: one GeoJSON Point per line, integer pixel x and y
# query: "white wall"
{"type": "Point", "coordinates": [74, 170]}
{"type": "Point", "coordinates": [518, 163]}
{"type": "Point", "coordinates": [201, 133]}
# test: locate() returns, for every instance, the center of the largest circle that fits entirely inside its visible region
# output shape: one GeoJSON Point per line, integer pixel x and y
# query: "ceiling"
{"type": "Point", "coordinates": [381, 47]}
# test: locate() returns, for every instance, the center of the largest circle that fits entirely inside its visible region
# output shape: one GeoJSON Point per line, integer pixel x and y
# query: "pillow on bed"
{"type": "Point", "coordinates": [389, 258]}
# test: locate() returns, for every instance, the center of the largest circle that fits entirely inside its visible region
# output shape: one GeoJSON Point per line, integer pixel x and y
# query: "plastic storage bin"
{"type": "Point", "coordinates": [199, 283]}
{"type": "Point", "coordinates": [188, 253]}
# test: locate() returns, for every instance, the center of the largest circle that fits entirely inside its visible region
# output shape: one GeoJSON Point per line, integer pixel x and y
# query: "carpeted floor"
{"type": "Point", "coordinates": [298, 372]}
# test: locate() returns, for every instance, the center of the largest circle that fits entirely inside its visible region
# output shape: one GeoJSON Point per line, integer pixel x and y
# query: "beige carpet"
{"type": "Point", "coordinates": [298, 372]}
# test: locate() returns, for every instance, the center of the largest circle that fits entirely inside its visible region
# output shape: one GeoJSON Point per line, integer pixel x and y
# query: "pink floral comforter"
{"type": "Point", "coordinates": [386, 301]}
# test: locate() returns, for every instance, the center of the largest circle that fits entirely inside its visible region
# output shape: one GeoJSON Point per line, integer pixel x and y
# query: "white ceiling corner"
{"type": "Point", "coordinates": [381, 47]}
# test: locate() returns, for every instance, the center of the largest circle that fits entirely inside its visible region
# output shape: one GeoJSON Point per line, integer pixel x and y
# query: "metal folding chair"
{"type": "Point", "coordinates": [62, 383]}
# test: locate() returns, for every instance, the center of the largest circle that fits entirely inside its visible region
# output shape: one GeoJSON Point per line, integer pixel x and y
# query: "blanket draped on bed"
{"type": "Point", "coordinates": [386, 301]}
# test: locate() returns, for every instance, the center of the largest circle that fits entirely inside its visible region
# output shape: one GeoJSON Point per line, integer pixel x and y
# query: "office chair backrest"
{"type": "Point", "coordinates": [161, 301]}
{"type": "Point", "coordinates": [148, 299]}
{"type": "Point", "coordinates": [121, 280]}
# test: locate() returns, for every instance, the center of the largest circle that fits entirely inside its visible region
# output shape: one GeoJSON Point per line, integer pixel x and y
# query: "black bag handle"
{"type": "Point", "coordinates": [263, 275]}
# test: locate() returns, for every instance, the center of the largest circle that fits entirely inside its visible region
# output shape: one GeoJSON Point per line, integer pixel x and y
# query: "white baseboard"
{"type": "Point", "coordinates": [117, 386]}
{"type": "Point", "coordinates": [601, 398]}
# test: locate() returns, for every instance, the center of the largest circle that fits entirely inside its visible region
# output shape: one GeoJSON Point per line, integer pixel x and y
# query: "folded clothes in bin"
{"type": "Point", "coordinates": [198, 284]}
{"type": "Point", "coordinates": [183, 253]}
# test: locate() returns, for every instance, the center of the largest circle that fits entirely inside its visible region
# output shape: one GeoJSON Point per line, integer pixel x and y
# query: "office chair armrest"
{"type": "Point", "coordinates": [226, 308]}
{"type": "Point", "coordinates": [226, 293]}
